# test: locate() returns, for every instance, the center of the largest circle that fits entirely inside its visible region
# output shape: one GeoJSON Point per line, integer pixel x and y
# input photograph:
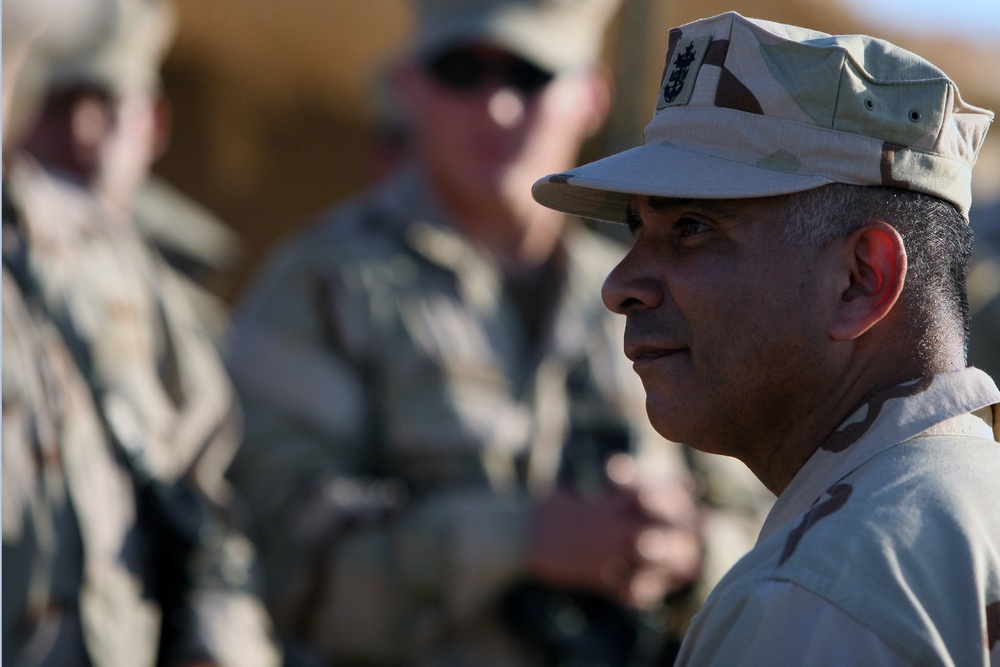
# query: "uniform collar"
{"type": "Point", "coordinates": [964, 401]}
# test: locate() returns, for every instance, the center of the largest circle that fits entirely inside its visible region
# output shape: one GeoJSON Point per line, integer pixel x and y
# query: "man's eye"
{"type": "Point", "coordinates": [689, 227]}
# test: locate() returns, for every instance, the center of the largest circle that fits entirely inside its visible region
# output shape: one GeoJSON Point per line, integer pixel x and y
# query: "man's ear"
{"type": "Point", "coordinates": [163, 118]}
{"type": "Point", "coordinates": [875, 262]}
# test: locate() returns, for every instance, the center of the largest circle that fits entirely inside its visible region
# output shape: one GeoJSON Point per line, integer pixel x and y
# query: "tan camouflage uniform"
{"type": "Point", "coordinates": [163, 397]}
{"type": "Point", "coordinates": [914, 468]}
{"type": "Point", "coordinates": [883, 548]}
{"type": "Point", "coordinates": [68, 510]}
{"type": "Point", "coordinates": [398, 425]}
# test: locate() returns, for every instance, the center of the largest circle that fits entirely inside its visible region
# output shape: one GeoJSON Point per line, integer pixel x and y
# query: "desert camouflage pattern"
{"type": "Point", "coordinates": [161, 396]}
{"type": "Point", "coordinates": [140, 342]}
{"type": "Point", "coordinates": [399, 423]}
{"type": "Point", "coordinates": [68, 512]}
{"type": "Point", "coordinates": [894, 523]}
{"type": "Point", "coordinates": [751, 108]}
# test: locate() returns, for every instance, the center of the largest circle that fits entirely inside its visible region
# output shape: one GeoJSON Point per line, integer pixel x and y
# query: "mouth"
{"type": "Point", "coordinates": [641, 355]}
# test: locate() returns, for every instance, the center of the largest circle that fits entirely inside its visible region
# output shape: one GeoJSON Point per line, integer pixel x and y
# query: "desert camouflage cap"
{"type": "Point", "coordinates": [56, 28]}
{"type": "Point", "coordinates": [37, 33]}
{"type": "Point", "coordinates": [751, 108]}
{"type": "Point", "coordinates": [553, 34]}
{"type": "Point", "coordinates": [129, 58]}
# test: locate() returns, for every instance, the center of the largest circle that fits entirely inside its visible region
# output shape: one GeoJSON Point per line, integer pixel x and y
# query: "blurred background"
{"type": "Point", "coordinates": [276, 104]}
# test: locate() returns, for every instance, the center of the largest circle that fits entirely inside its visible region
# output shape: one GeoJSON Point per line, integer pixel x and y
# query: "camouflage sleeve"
{"type": "Point", "coordinates": [353, 566]}
{"type": "Point", "coordinates": [197, 566]}
{"type": "Point", "coordinates": [34, 496]}
{"type": "Point", "coordinates": [203, 567]}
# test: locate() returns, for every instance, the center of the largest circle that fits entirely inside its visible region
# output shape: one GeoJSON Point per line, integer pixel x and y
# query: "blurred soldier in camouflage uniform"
{"type": "Point", "coordinates": [192, 241]}
{"type": "Point", "coordinates": [118, 418]}
{"type": "Point", "coordinates": [195, 243]}
{"type": "Point", "coordinates": [440, 419]}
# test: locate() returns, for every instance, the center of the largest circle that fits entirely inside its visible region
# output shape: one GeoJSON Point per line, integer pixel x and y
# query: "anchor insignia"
{"type": "Point", "coordinates": [675, 82]}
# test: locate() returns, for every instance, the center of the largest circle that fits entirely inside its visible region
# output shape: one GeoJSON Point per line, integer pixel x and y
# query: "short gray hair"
{"type": "Point", "coordinates": [937, 239]}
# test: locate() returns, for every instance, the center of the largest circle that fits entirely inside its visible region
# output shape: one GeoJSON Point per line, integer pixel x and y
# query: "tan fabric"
{"type": "Point", "coordinates": [130, 56]}
{"type": "Point", "coordinates": [68, 508]}
{"type": "Point", "coordinates": [161, 393]}
{"type": "Point", "coordinates": [887, 540]}
{"type": "Point", "coordinates": [751, 108]}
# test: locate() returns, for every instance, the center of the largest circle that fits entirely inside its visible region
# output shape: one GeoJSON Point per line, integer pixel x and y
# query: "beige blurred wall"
{"type": "Point", "coordinates": [272, 99]}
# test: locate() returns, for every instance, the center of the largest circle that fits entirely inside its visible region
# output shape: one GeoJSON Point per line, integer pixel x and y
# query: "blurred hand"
{"type": "Point", "coordinates": [635, 542]}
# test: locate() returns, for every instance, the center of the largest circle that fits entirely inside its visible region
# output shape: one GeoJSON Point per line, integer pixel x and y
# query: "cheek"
{"type": "Point", "coordinates": [554, 127]}
{"type": "Point", "coordinates": [763, 345]}
{"type": "Point", "coordinates": [738, 331]}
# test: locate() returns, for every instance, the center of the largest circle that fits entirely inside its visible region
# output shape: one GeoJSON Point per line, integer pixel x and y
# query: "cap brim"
{"type": "Point", "coordinates": [601, 189]}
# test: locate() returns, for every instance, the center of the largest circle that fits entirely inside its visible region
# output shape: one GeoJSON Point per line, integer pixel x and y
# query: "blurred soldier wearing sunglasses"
{"type": "Point", "coordinates": [447, 453]}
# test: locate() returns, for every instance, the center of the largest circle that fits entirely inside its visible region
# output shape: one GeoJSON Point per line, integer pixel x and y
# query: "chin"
{"type": "Point", "coordinates": [680, 423]}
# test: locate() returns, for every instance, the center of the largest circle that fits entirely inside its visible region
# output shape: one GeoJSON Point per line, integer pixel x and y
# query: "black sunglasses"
{"type": "Point", "coordinates": [467, 70]}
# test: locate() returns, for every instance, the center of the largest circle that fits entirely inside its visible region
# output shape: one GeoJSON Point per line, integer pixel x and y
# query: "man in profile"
{"type": "Point", "coordinates": [795, 298]}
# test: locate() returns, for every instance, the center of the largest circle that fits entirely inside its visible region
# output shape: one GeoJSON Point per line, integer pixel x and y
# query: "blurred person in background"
{"type": "Point", "coordinates": [117, 159]}
{"type": "Point", "coordinates": [118, 419]}
{"type": "Point", "coordinates": [447, 454]}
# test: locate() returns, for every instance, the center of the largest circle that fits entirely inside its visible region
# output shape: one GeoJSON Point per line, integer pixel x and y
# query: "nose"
{"type": "Point", "coordinates": [506, 107]}
{"type": "Point", "coordinates": [631, 287]}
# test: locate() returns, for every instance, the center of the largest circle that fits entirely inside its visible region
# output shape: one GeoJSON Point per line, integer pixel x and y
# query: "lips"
{"type": "Point", "coordinates": [649, 339]}
{"type": "Point", "coordinates": [643, 353]}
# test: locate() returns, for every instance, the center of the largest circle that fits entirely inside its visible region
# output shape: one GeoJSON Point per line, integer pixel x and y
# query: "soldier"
{"type": "Point", "coordinates": [441, 428]}
{"type": "Point", "coordinates": [135, 131]}
{"type": "Point", "coordinates": [795, 297]}
{"type": "Point", "coordinates": [118, 417]}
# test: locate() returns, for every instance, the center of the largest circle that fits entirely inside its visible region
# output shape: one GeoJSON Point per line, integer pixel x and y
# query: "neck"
{"type": "Point", "coordinates": [776, 459]}
{"type": "Point", "coordinates": [877, 366]}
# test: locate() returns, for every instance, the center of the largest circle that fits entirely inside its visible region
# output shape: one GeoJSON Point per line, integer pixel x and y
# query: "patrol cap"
{"type": "Point", "coordinates": [552, 34]}
{"type": "Point", "coordinates": [751, 108]}
{"type": "Point", "coordinates": [56, 28]}
{"type": "Point", "coordinates": [130, 57]}
{"type": "Point", "coordinates": [36, 33]}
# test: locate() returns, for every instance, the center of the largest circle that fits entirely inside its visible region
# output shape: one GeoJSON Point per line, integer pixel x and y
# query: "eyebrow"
{"type": "Point", "coordinates": [633, 220]}
{"type": "Point", "coordinates": [717, 207]}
